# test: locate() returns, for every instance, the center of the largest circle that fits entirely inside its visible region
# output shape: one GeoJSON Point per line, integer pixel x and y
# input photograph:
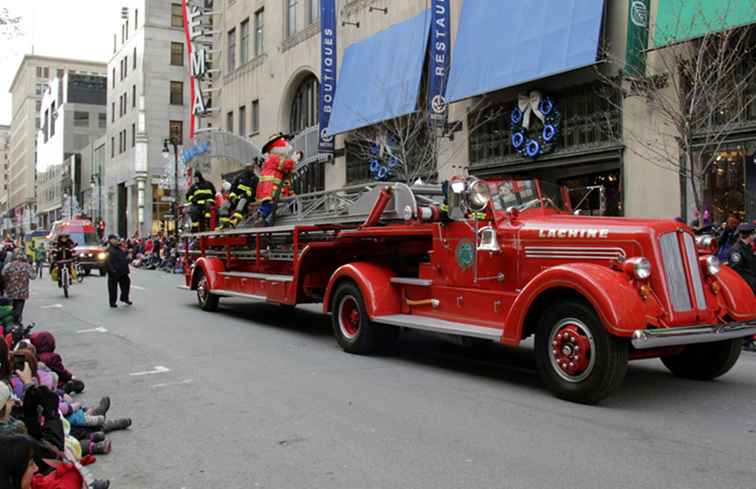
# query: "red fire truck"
{"type": "Point", "coordinates": [490, 260]}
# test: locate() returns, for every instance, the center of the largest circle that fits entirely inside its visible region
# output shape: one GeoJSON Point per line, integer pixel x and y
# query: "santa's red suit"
{"type": "Point", "coordinates": [276, 168]}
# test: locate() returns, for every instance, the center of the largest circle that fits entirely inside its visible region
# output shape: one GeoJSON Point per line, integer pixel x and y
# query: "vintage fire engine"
{"type": "Point", "coordinates": [490, 260]}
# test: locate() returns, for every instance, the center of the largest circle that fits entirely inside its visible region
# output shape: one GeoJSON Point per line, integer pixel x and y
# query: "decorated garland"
{"type": "Point", "coordinates": [532, 141]}
{"type": "Point", "coordinates": [382, 159]}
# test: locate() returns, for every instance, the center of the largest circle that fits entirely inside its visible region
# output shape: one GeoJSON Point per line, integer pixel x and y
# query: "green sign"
{"type": "Point", "coordinates": [637, 37]}
{"type": "Point", "coordinates": [681, 20]}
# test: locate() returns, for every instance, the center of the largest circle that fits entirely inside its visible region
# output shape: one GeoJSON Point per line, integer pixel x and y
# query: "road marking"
{"type": "Point", "coordinates": [137, 287]}
{"type": "Point", "coordinates": [159, 369]}
{"type": "Point", "coordinates": [168, 384]}
{"type": "Point", "coordinates": [53, 306]}
{"type": "Point", "coordinates": [98, 329]}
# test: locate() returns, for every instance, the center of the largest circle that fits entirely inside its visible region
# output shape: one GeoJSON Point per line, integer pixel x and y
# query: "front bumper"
{"type": "Point", "coordinates": [644, 339]}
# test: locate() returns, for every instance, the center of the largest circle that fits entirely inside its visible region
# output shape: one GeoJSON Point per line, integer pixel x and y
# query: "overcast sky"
{"type": "Point", "coordinates": [78, 29]}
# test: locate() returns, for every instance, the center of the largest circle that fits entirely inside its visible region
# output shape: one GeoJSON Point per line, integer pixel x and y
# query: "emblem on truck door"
{"type": "Point", "coordinates": [562, 233]}
{"type": "Point", "coordinates": [465, 254]}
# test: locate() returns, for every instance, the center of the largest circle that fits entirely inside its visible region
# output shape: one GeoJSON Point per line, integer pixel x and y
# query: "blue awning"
{"type": "Point", "coordinates": [505, 43]}
{"type": "Point", "coordinates": [380, 76]}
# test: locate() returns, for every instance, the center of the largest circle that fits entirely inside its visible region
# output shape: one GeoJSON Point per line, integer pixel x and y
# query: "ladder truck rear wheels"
{"type": "Point", "coordinates": [206, 299]}
{"type": "Point", "coordinates": [577, 358]}
{"type": "Point", "coordinates": [351, 325]}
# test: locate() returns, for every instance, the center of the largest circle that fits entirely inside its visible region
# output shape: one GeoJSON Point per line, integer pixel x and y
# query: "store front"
{"type": "Point", "coordinates": [729, 184]}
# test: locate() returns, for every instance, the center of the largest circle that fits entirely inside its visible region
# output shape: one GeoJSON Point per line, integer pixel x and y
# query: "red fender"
{"type": "Point", "coordinates": [737, 294]}
{"type": "Point", "coordinates": [212, 268]}
{"type": "Point", "coordinates": [616, 301]}
{"type": "Point", "coordinates": [374, 281]}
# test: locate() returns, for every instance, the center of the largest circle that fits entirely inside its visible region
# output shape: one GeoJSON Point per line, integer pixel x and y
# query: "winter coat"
{"type": "Point", "coordinates": [274, 171]}
{"type": "Point", "coordinates": [244, 186]}
{"type": "Point", "coordinates": [44, 342]}
{"type": "Point", "coordinates": [201, 193]}
{"type": "Point", "coordinates": [117, 262]}
{"type": "Point", "coordinates": [17, 277]}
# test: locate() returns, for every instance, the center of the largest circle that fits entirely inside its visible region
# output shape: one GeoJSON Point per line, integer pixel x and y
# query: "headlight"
{"type": "Point", "coordinates": [706, 243]}
{"type": "Point", "coordinates": [102, 255]}
{"type": "Point", "coordinates": [639, 267]}
{"type": "Point", "coordinates": [711, 264]}
{"type": "Point", "coordinates": [478, 195]}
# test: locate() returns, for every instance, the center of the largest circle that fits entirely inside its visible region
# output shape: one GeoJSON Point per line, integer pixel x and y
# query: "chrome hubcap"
{"type": "Point", "coordinates": [572, 350]}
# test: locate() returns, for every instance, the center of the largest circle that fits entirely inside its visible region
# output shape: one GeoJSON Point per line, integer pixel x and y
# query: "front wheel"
{"type": "Point", "coordinates": [577, 359]}
{"type": "Point", "coordinates": [206, 299]}
{"type": "Point", "coordinates": [705, 361]}
{"type": "Point", "coordinates": [65, 285]}
{"type": "Point", "coordinates": [352, 327]}
{"type": "Point", "coordinates": [103, 272]}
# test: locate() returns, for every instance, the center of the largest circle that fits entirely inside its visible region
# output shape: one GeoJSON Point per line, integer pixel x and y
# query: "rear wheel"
{"type": "Point", "coordinates": [352, 327]}
{"type": "Point", "coordinates": [706, 361]}
{"type": "Point", "coordinates": [577, 359]}
{"type": "Point", "coordinates": [206, 299]}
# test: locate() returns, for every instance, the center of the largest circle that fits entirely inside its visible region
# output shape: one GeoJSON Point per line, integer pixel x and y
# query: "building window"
{"type": "Point", "coordinates": [125, 66]}
{"type": "Point", "coordinates": [177, 93]}
{"type": "Point", "coordinates": [177, 54]}
{"type": "Point", "coordinates": [112, 112]}
{"type": "Point", "coordinates": [136, 19]}
{"type": "Point", "coordinates": [244, 42]}
{"type": "Point", "coordinates": [291, 17]}
{"type": "Point", "coordinates": [243, 121]}
{"type": "Point", "coordinates": [60, 73]}
{"type": "Point", "coordinates": [176, 131]}
{"type": "Point", "coordinates": [133, 96]}
{"type": "Point", "coordinates": [133, 135]}
{"type": "Point", "coordinates": [102, 120]}
{"type": "Point", "coordinates": [255, 117]}
{"type": "Point", "coordinates": [39, 72]}
{"type": "Point", "coordinates": [313, 11]}
{"type": "Point", "coordinates": [38, 105]}
{"type": "Point", "coordinates": [127, 29]}
{"type": "Point", "coordinates": [177, 15]}
{"type": "Point", "coordinates": [231, 48]}
{"type": "Point", "coordinates": [259, 23]}
{"type": "Point", "coordinates": [134, 60]}
{"type": "Point", "coordinates": [230, 122]}
{"type": "Point", "coordinates": [81, 119]}
{"type": "Point", "coordinates": [112, 147]}
{"type": "Point", "coordinates": [304, 107]}
{"type": "Point", "coordinates": [113, 77]}
{"type": "Point", "coordinates": [125, 102]}
{"type": "Point", "coordinates": [115, 42]}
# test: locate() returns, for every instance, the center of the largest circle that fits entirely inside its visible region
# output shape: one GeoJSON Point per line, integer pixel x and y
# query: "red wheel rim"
{"type": "Point", "coordinates": [202, 291]}
{"type": "Point", "coordinates": [572, 350]}
{"type": "Point", "coordinates": [349, 317]}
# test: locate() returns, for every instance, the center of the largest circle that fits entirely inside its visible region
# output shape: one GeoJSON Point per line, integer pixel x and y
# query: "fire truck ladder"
{"type": "Point", "coordinates": [347, 207]}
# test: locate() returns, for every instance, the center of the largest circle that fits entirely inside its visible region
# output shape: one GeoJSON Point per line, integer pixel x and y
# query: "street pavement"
{"type": "Point", "coordinates": [257, 395]}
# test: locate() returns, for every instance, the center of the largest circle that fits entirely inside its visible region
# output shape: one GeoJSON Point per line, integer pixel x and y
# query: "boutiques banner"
{"type": "Point", "coordinates": [328, 53]}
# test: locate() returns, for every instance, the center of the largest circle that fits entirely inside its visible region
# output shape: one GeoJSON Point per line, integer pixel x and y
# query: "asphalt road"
{"type": "Point", "coordinates": [260, 396]}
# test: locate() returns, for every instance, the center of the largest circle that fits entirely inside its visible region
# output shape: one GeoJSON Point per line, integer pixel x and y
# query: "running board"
{"type": "Point", "coordinates": [261, 276]}
{"type": "Point", "coordinates": [440, 326]}
{"type": "Point", "coordinates": [231, 293]}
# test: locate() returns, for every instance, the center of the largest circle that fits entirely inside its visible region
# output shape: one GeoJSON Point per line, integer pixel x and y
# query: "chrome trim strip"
{"type": "Point", "coordinates": [440, 326]}
{"type": "Point", "coordinates": [412, 281]}
{"type": "Point", "coordinates": [261, 276]}
{"type": "Point", "coordinates": [575, 252]}
{"type": "Point", "coordinates": [231, 293]}
{"type": "Point", "coordinates": [695, 270]}
{"type": "Point", "coordinates": [663, 337]}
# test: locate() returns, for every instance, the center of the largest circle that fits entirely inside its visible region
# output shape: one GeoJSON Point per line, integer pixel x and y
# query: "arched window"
{"type": "Point", "coordinates": [304, 105]}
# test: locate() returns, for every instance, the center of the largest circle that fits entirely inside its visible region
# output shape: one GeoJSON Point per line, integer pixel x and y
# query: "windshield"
{"type": "Point", "coordinates": [523, 195]}
{"type": "Point", "coordinates": [84, 239]}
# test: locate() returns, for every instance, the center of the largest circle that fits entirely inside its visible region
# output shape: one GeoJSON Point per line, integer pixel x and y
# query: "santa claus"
{"type": "Point", "coordinates": [277, 168]}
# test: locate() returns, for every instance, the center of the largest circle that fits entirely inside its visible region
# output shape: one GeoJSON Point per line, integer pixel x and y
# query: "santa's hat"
{"type": "Point", "coordinates": [277, 143]}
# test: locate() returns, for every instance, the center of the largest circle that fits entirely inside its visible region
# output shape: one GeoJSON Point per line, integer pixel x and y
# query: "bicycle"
{"type": "Point", "coordinates": [65, 276]}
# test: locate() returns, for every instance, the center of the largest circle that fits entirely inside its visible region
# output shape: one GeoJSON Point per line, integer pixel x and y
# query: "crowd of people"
{"type": "Point", "coordinates": [48, 437]}
{"type": "Point", "coordinates": [155, 252]}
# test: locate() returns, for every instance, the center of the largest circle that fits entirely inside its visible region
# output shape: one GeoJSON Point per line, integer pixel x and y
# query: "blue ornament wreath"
{"type": "Point", "coordinates": [382, 160]}
{"type": "Point", "coordinates": [539, 139]}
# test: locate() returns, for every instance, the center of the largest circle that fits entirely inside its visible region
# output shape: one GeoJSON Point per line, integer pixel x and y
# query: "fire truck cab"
{"type": "Point", "coordinates": [495, 260]}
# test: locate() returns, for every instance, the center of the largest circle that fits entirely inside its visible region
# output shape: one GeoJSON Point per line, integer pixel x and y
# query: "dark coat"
{"type": "Point", "coordinates": [117, 262]}
{"type": "Point", "coordinates": [44, 342]}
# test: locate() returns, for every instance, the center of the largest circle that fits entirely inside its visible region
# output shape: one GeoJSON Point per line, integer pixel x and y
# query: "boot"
{"type": "Point", "coordinates": [99, 448]}
{"type": "Point", "coordinates": [100, 484]}
{"type": "Point", "coordinates": [73, 385]}
{"type": "Point", "coordinates": [102, 407]}
{"type": "Point", "coordinates": [93, 421]}
{"type": "Point", "coordinates": [97, 437]}
{"type": "Point", "coordinates": [116, 424]}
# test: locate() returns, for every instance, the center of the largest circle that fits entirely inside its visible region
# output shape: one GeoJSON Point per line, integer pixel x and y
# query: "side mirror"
{"type": "Point", "coordinates": [487, 240]}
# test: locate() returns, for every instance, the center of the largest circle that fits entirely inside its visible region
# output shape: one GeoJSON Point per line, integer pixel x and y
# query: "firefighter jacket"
{"type": "Point", "coordinates": [201, 193]}
{"type": "Point", "coordinates": [743, 261]}
{"type": "Point", "coordinates": [274, 171]}
{"type": "Point", "coordinates": [243, 187]}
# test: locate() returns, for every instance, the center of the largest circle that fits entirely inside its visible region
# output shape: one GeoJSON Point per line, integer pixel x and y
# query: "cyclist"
{"type": "Point", "coordinates": [63, 250]}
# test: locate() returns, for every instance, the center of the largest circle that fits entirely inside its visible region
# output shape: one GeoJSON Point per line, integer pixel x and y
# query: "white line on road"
{"type": "Point", "coordinates": [98, 329]}
{"type": "Point", "coordinates": [137, 287]}
{"type": "Point", "coordinates": [159, 369]}
{"type": "Point", "coordinates": [168, 384]}
{"type": "Point", "coordinates": [53, 306]}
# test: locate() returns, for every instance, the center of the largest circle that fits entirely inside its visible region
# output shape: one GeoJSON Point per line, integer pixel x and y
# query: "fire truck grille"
{"type": "Point", "coordinates": [674, 271]}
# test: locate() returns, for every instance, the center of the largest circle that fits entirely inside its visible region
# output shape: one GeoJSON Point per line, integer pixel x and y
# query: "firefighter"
{"type": "Point", "coordinates": [276, 169]}
{"type": "Point", "coordinates": [742, 258]}
{"type": "Point", "coordinates": [243, 190]}
{"type": "Point", "coordinates": [201, 197]}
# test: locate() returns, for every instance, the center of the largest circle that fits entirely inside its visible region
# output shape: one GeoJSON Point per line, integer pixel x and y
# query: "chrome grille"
{"type": "Point", "coordinates": [675, 272]}
{"type": "Point", "coordinates": [695, 270]}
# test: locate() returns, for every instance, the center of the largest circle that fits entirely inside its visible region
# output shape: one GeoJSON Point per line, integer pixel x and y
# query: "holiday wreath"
{"type": "Point", "coordinates": [533, 140]}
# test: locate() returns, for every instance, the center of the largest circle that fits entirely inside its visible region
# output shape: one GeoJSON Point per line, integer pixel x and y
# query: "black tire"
{"type": "Point", "coordinates": [87, 271]}
{"type": "Point", "coordinates": [65, 289]}
{"type": "Point", "coordinates": [594, 371]}
{"type": "Point", "coordinates": [103, 272]}
{"type": "Point", "coordinates": [352, 327]}
{"type": "Point", "coordinates": [207, 300]}
{"type": "Point", "coordinates": [706, 361]}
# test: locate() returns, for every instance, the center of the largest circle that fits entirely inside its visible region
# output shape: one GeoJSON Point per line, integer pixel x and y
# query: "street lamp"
{"type": "Point", "coordinates": [166, 155]}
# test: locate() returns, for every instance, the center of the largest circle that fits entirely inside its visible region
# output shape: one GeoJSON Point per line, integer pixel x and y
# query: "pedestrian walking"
{"type": "Point", "coordinates": [118, 271]}
{"type": "Point", "coordinates": [17, 275]}
{"type": "Point", "coordinates": [40, 256]}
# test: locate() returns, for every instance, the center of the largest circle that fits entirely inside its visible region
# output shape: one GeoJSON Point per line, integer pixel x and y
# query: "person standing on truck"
{"type": "Point", "coordinates": [742, 258]}
{"type": "Point", "coordinates": [201, 196]}
{"type": "Point", "coordinates": [118, 271]}
{"type": "Point", "coordinates": [243, 190]}
{"type": "Point", "coordinates": [276, 168]}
